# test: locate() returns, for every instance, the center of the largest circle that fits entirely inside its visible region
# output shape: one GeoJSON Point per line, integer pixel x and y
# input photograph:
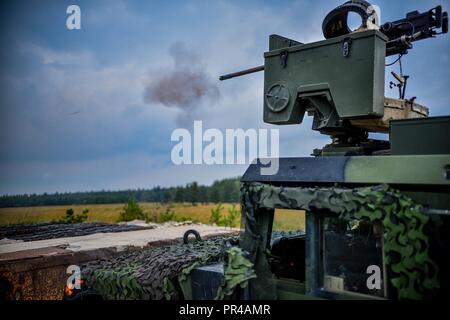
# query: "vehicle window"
{"type": "Point", "coordinates": [288, 244]}
{"type": "Point", "coordinates": [353, 256]}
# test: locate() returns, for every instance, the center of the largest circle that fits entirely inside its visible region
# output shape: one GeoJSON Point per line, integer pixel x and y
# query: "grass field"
{"type": "Point", "coordinates": [284, 219]}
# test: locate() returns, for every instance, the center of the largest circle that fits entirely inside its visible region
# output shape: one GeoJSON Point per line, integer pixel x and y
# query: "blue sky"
{"type": "Point", "coordinates": [72, 108]}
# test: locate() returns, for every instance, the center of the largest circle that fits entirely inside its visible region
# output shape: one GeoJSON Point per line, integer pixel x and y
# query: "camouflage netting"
{"type": "Point", "coordinates": [238, 270]}
{"type": "Point", "coordinates": [43, 231]}
{"type": "Point", "coordinates": [154, 273]}
{"type": "Point", "coordinates": [412, 273]}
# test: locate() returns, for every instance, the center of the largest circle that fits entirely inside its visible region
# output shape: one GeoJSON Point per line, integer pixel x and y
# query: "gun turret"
{"type": "Point", "coordinates": [401, 33]}
{"type": "Point", "coordinates": [340, 81]}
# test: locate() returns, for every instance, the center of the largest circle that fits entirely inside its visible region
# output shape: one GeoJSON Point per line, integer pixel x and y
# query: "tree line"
{"type": "Point", "coordinates": [226, 190]}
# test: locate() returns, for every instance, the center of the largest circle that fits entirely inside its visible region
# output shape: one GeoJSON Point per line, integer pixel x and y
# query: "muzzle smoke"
{"type": "Point", "coordinates": [186, 86]}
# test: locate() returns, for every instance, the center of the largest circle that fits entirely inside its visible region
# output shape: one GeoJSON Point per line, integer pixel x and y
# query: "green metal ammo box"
{"type": "Point", "coordinates": [347, 71]}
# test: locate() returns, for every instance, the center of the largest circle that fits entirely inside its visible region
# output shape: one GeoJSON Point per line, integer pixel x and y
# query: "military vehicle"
{"type": "Point", "coordinates": [377, 211]}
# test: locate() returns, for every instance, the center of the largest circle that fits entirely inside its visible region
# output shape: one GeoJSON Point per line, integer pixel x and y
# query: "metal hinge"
{"type": "Point", "coordinates": [346, 45]}
{"type": "Point", "coordinates": [283, 59]}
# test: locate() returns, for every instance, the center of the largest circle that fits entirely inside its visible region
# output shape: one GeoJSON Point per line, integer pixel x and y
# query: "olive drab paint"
{"type": "Point", "coordinates": [313, 74]}
{"type": "Point", "coordinates": [402, 182]}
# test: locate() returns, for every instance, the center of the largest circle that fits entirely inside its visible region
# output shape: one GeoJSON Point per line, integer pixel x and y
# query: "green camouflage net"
{"type": "Point", "coordinates": [412, 272]}
{"type": "Point", "coordinates": [238, 270]}
{"type": "Point", "coordinates": [151, 273]}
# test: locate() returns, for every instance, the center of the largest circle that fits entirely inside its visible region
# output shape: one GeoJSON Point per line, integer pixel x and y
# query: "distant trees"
{"type": "Point", "coordinates": [214, 195]}
{"type": "Point", "coordinates": [193, 192]}
{"type": "Point", "coordinates": [225, 191]}
{"type": "Point", "coordinates": [179, 194]}
{"type": "Point", "coordinates": [167, 196]}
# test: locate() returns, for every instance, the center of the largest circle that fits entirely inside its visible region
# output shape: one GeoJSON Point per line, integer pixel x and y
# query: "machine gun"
{"type": "Point", "coordinates": [401, 33]}
{"type": "Point", "coordinates": [416, 26]}
{"type": "Point", "coordinates": [340, 81]}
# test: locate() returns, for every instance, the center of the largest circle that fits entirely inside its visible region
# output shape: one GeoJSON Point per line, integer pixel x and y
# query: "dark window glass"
{"type": "Point", "coordinates": [353, 256]}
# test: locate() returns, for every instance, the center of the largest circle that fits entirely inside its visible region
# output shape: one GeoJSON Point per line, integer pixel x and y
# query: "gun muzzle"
{"type": "Point", "coordinates": [241, 73]}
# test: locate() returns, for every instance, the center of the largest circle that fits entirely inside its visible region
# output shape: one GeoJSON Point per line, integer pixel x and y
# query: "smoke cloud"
{"type": "Point", "coordinates": [186, 86]}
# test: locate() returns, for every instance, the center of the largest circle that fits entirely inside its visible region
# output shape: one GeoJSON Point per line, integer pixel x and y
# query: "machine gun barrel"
{"type": "Point", "coordinates": [415, 26]}
{"type": "Point", "coordinates": [241, 73]}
